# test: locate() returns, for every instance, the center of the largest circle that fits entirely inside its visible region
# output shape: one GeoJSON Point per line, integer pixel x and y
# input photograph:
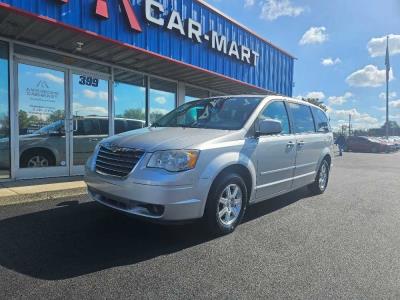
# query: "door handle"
{"type": "Point", "coordinates": [300, 144]}
{"type": "Point", "coordinates": [290, 144]}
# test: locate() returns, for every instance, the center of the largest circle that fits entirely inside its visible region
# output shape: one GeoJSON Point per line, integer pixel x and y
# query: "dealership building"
{"type": "Point", "coordinates": [75, 71]}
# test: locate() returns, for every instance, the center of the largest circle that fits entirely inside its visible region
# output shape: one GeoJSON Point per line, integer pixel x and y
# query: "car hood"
{"type": "Point", "coordinates": [152, 139]}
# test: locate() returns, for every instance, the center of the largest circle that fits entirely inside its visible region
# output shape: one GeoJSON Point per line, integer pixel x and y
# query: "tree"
{"type": "Point", "coordinates": [56, 116]}
{"type": "Point", "coordinates": [316, 102]}
{"type": "Point", "coordinates": [133, 113]}
{"type": "Point", "coordinates": [4, 126]}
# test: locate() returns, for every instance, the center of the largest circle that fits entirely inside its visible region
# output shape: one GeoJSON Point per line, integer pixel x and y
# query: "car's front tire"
{"type": "Point", "coordinates": [320, 184]}
{"type": "Point", "coordinates": [226, 204]}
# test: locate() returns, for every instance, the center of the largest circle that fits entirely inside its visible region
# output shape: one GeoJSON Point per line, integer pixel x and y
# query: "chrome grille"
{"type": "Point", "coordinates": [116, 161]}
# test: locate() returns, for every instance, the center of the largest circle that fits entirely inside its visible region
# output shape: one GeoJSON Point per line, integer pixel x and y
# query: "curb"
{"type": "Point", "coordinates": [41, 196]}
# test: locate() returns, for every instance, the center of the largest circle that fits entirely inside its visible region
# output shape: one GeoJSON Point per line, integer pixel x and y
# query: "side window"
{"type": "Point", "coordinates": [120, 126]}
{"type": "Point", "coordinates": [277, 111]}
{"type": "Point", "coordinates": [303, 121]}
{"type": "Point", "coordinates": [88, 127]}
{"type": "Point", "coordinates": [321, 120]}
{"type": "Point", "coordinates": [103, 126]}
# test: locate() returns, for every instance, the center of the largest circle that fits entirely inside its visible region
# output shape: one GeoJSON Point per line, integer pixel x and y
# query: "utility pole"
{"type": "Point", "coordinates": [349, 124]}
{"type": "Point", "coordinates": [387, 64]}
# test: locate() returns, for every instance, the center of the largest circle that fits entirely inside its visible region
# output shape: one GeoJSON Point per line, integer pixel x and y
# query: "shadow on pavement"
{"type": "Point", "coordinates": [75, 238]}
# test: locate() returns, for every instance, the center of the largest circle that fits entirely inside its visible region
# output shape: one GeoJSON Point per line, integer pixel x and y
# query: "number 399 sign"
{"type": "Point", "coordinates": [88, 80]}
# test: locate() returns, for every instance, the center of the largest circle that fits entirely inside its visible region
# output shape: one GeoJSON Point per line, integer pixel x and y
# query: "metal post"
{"type": "Point", "coordinates": [349, 124]}
{"type": "Point", "coordinates": [387, 64]}
{"type": "Point", "coordinates": [387, 108]}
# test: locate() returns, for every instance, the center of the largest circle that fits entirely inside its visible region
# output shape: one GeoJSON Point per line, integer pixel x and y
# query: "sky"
{"type": "Point", "coordinates": [340, 49]}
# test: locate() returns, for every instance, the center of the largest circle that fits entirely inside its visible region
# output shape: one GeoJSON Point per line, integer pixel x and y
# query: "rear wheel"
{"type": "Point", "coordinates": [37, 159]}
{"type": "Point", "coordinates": [321, 181]}
{"type": "Point", "coordinates": [226, 204]}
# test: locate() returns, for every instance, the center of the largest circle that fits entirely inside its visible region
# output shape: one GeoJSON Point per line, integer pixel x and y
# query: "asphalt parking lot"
{"type": "Point", "coordinates": [343, 244]}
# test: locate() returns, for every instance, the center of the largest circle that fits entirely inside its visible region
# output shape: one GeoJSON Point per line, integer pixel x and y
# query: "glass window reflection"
{"type": "Point", "coordinates": [129, 101]}
{"type": "Point", "coordinates": [41, 115]}
{"type": "Point", "coordinates": [4, 114]}
{"type": "Point", "coordinates": [162, 98]}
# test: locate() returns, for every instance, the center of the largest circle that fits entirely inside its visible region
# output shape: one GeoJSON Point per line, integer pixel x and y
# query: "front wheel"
{"type": "Point", "coordinates": [321, 181]}
{"type": "Point", "coordinates": [226, 204]}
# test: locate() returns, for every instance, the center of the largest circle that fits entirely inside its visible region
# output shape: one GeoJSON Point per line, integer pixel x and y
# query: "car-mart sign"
{"type": "Point", "coordinates": [189, 28]}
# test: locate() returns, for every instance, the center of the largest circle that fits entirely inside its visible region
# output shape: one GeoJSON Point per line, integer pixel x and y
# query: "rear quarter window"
{"type": "Point", "coordinates": [321, 120]}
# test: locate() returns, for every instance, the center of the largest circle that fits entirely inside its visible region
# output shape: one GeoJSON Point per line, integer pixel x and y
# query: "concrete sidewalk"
{"type": "Point", "coordinates": [16, 192]}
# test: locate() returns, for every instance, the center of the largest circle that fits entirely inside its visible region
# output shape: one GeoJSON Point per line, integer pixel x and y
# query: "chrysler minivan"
{"type": "Point", "coordinates": [210, 159]}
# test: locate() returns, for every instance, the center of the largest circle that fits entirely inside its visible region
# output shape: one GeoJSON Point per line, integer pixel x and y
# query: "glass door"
{"type": "Point", "coordinates": [89, 116]}
{"type": "Point", "coordinates": [43, 131]}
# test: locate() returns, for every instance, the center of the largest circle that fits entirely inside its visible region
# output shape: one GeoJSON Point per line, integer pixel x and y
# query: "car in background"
{"type": "Point", "coordinates": [46, 146]}
{"type": "Point", "coordinates": [367, 144]}
{"type": "Point", "coordinates": [396, 141]}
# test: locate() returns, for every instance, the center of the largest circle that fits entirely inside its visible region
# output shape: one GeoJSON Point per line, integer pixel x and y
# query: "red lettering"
{"type": "Point", "coordinates": [102, 8]}
{"type": "Point", "coordinates": [133, 21]}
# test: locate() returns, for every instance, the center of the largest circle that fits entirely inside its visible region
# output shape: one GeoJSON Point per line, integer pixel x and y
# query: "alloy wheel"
{"type": "Point", "coordinates": [38, 161]}
{"type": "Point", "coordinates": [230, 204]}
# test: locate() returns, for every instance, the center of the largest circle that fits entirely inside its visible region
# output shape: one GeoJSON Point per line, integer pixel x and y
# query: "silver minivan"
{"type": "Point", "coordinates": [210, 159]}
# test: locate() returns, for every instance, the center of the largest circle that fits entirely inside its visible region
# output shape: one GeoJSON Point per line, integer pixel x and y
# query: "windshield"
{"type": "Point", "coordinates": [217, 113]}
{"type": "Point", "coordinates": [53, 127]}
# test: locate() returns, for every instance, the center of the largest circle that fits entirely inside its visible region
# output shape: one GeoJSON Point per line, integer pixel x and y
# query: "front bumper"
{"type": "Point", "coordinates": [156, 202]}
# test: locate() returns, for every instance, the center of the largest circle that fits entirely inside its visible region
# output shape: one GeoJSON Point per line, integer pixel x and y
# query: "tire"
{"type": "Point", "coordinates": [319, 186]}
{"type": "Point", "coordinates": [37, 159]}
{"type": "Point", "coordinates": [232, 207]}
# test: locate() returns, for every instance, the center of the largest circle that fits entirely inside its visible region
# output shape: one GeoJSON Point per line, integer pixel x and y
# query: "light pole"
{"type": "Point", "coordinates": [349, 124]}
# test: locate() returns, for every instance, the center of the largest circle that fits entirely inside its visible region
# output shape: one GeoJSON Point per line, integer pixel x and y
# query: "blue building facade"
{"type": "Point", "coordinates": [75, 71]}
{"type": "Point", "coordinates": [272, 71]}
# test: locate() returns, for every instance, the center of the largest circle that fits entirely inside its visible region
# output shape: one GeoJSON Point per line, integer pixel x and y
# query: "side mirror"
{"type": "Point", "coordinates": [268, 126]}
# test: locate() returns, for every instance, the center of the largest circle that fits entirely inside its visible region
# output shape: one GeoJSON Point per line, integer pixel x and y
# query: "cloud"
{"type": "Point", "coordinates": [340, 100]}
{"type": "Point", "coordinates": [395, 104]}
{"type": "Point", "coordinates": [358, 120]}
{"type": "Point", "coordinates": [80, 109]}
{"type": "Point", "coordinates": [273, 9]}
{"type": "Point", "coordinates": [51, 77]}
{"type": "Point", "coordinates": [330, 61]}
{"type": "Point", "coordinates": [314, 95]}
{"type": "Point", "coordinates": [391, 95]}
{"type": "Point", "coordinates": [314, 35]}
{"type": "Point", "coordinates": [377, 46]}
{"type": "Point", "coordinates": [248, 3]}
{"type": "Point", "coordinates": [369, 76]}
{"type": "Point", "coordinates": [160, 100]}
{"type": "Point", "coordinates": [102, 95]}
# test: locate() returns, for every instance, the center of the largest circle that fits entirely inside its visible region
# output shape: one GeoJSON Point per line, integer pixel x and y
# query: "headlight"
{"type": "Point", "coordinates": [174, 160]}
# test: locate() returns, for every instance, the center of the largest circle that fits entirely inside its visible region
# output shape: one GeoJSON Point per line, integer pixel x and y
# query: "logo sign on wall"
{"type": "Point", "coordinates": [41, 99]}
{"type": "Point", "coordinates": [189, 28]}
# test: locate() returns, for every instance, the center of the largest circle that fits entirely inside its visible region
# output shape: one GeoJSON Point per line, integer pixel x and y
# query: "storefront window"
{"type": "Point", "coordinates": [162, 98]}
{"type": "Point", "coordinates": [90, 114]}
{"type": "Point", "coordinates": [41, 115]}
{"type": "Point", "coordinates": [129, 101]}
{"type": "Point", "coordinates": [4, 114]}
{"type": "Point", "coordinates": [193, 93]}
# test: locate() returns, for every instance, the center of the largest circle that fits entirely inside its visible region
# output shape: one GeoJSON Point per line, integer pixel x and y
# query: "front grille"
{"type": "Point", "coordinates": [117, 161]}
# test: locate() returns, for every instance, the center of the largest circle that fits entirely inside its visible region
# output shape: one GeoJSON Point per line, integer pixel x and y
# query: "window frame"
{"type": "Point", "coordinates": [287, 114]}
{"type": "Point", "coordinates": [315, 120]}
{"type": "Point", "coordinates": [293, 121]}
